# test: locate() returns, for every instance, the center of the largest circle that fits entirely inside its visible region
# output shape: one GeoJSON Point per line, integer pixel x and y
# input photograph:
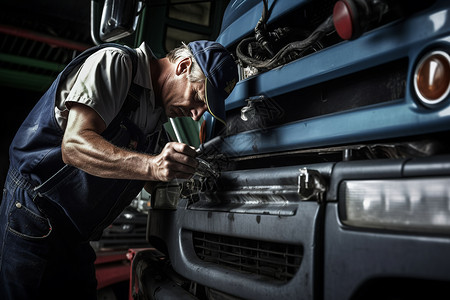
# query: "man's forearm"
{"type": "Point", "coordinates": [93, 154]}
{"type": "Point", "coordinates": [85, 148]}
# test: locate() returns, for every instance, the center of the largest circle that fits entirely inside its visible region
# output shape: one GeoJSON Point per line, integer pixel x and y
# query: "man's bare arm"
{"type": "Point", "coordinates": [84, 148]}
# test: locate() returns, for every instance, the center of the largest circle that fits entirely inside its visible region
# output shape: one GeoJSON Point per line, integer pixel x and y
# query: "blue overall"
{"type": "Point", "coordinates": [50, 211]}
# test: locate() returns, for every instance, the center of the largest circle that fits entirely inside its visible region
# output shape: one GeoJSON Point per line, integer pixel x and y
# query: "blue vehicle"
{"type": "Point", "coordinates": [331, 179]}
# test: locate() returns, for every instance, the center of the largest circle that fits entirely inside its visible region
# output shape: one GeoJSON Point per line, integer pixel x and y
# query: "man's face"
{"type": "Point", "coordinates": [183, 98]}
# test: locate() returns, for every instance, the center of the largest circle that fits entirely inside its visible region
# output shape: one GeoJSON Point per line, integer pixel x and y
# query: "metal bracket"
{"type": "Point", "coordinates": [311, 185]}
{"type": "Point", "coordinates": [249, 111]}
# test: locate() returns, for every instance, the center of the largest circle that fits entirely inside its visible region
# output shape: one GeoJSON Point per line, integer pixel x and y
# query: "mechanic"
{"type": "Point", "coordinates": [88, 147]}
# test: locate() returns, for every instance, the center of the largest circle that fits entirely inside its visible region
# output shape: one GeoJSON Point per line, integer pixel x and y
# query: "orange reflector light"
{"type": "Point", "coordinates": [342, 19]}
{"type": "Point", "coordinates": [432, 77]}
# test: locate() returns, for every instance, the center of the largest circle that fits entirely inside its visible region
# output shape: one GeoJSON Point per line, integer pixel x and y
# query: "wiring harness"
{"type": "Point", "coordinates": [269, 49]}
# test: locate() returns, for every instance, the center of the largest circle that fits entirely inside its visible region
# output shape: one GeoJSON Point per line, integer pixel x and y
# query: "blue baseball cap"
{"type": "Point", "coordinates": [221, 74]}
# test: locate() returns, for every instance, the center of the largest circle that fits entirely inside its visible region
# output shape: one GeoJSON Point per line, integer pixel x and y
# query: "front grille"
{"type": "Point", "coordinates": [372, 86]}
{"type": "Point", "coordinates": [271, 260]}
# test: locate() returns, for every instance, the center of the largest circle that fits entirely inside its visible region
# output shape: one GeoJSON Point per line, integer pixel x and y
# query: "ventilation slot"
{"type": "Point", "coordinates": [273, 260]}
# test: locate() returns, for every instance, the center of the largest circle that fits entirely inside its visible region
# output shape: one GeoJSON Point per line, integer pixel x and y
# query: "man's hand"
{"type": "Point", "coordinates": [176, 160]}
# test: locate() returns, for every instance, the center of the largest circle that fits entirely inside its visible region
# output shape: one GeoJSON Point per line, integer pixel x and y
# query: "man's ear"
{"type": "Point", "coordinates": [184, 65]}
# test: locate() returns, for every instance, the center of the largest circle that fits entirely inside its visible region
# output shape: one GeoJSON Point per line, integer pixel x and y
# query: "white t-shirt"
{"type": "Point", "coordinates": [98, 84]}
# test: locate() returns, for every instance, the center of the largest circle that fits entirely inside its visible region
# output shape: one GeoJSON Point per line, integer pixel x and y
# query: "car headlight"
{"type": "Point", "coordinates": [398, 204]}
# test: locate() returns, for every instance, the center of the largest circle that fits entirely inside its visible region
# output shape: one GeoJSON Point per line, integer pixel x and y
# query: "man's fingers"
{"type": "Point", "coordinates": [177, 160]}
{"type": "Point", "coordinates": [172, 165]}
{"type": "Point", "coordinates": [185, 149]}
{"type": "Point", "coordinates": [180, 153]}
{"type": "Point", "coordinates": [184, 159]}
{"type": "Point", "coordinates": [172, 171]}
